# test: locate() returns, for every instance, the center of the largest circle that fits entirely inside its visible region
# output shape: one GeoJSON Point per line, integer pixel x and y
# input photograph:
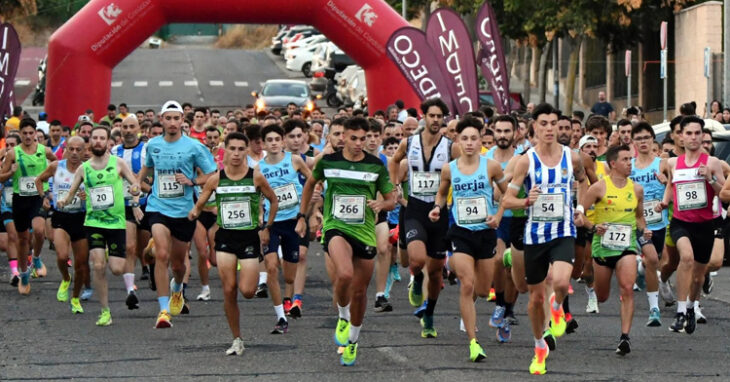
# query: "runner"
{"type": "Point", "coordinates": [473, 238]}
{"type": "Point", "coordinates": [105, 221]}
{"type": "Point", "coordinates": [695, 179]}
{"type": "Point", "coordinates": [353, 180]}
{"type": "Point", "coordinates": [6, 214]}
{"type": "Point", "coordinates": [548, 171]}
{"type": "Point", "coordinates": [173, 158]}
{"type": "Point", "coordinates": [619, 220]}
{"type": "Point", "coordinates": [68, 223]}
{"type": "Point", "coordinates": [238, 240]}
{"type": "Point", "coordinates": [24, 163]}
{"type": "Point", "coordinates": [427, 153]}
{"type": "Point", "coordinates": [282, 170]}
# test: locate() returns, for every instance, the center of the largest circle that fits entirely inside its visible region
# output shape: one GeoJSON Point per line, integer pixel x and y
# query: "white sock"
{"type": "Point", "coordinates": [540, 343]}
{"type": "Point", "coordinates": [129, 281]}
{"type": "Point", "coordinates": [379, 294]}
{"type": "Point", "coordinates": [279, 309]}
{"type": "Point", "coordinates": [263, 276]}
{"type": "Point", "coordinates": [206, 288]}
{"type": "Point", "coordinates": [344, 312]}
{"type": "Point", "coordinates": [591, 292]}
{"type": "Point", "coordinates": [682, 307]}
{"type": "Point", "coordinates": [653, 299]}
{"type": "Point", "coordinates": [354, 333]}
{"type": "Point", "coordinates": [692, 304]}
{"type": "Point", "coordinates": [556, 305]}
{"type": "Point", "coordinates": [697, 304]}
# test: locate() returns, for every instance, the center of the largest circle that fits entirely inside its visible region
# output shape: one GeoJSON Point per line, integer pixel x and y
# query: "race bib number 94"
{"type": "Point", "coordinates": [471, 210]}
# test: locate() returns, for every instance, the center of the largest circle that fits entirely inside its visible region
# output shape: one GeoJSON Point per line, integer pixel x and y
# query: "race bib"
{"type": "Point", "coordinates": [27, 186]}
{"type": "Point", "coordinates": [548, 207]}
{"type": "Point", "coordinates": [287, 196]}
{"type": "Point", "coordinates": [127, 194]}
{"type": "Point", "coordinates": [650, 215]}
{"type": "Point", "coordinates": [102, 198]}
{"type": "Point", "coordinates": [168, 187]}
{"type": "Point", "coordinates": [236, 214]}
{"type": "Point", "coordinates": [73, 205]}
{"type": "Point", "coordinates": [471, 210]}
{"type": "Point", "coordinates": [425, 183]}
{"type": "Point", "coordinates": [349, 209]}
{"type": "Point", "coordinates": [8, 196]}
{"type": "Point", "coordinates": [617, 237]}
{"type": "Point", "coordinates": [691, 195]}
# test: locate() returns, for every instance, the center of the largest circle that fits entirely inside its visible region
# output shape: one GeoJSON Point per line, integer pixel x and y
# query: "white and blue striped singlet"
{"type": "Point", "coordinates": [551, 180]}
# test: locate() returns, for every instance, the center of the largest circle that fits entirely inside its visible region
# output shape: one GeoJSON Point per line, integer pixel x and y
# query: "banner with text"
{"type": "Point", "coordinates": [9, 61]}
{"type": "Point", "coordinates": [491, 57]}
{"type": "Point", "coordinates": [449, 39]}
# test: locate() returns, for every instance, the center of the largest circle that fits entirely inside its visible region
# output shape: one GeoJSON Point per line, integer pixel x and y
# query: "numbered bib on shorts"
{"type": "Point", "coordinates": [236, 214]}
{"type": "Point", "coordinates": [349, 209]}
{"type": "Point", "coordinates": [8, 196]}
{"type": "Point", "coordinates": [617, 237]}
{"type": "Point", "coordinates": [425, 183]}
{"type": "Point", "coordinates": [168, 187]}
{"type": "Point", "coordinates": [102, 197]}
{"type": "Point", "coordinates": [691, 195]}
{"type": "Point", "coordinates": [548, 207]}
{"type": "Point", "coordinates": [287, 196]}
{"type": "Point", "coordinates": [650, 214]}
{"type": "Point", "coordinates": [471, 210]}
{"type": "Point", "coordinates": [27, 186]}
{"type": "Point", "coordinates": [74, 205]}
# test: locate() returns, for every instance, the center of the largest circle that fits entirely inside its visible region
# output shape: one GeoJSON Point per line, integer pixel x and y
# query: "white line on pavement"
{"type": "Point", "coordinates": [241, 84]}
{"type": "Point", "coordinates": [116, 84]}
{"type": "Point", "coordinates": [22, 82]}
{"type": "Point", "coordinates": [165, 83]}
{"type": "Point", "coordinates": [191, 83]}
{"type": "Point", "coordinates": [216, 83]}
{"type": "Point", "coordinates": [140, 84]}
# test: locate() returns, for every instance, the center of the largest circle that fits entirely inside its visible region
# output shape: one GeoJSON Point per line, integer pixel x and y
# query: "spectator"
{"type": "Point", "coordinates": [42, 124]}
{"type": "Point", "coordinates": [14, 122]}
{"type": "Point", "coordinates": [602, 107]}
{"type": "Point", "coordinates": [111, 114]}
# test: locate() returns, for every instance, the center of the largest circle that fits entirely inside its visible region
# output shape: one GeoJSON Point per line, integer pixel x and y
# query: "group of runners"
{"type": "Point", "coordinates": [544, 200]}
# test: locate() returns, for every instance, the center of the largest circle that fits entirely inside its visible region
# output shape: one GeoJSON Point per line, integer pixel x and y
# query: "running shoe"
{"type": "Point", "coordinates": [497, 319]}
{"type": "Point", "coordinates": [592, 305]}
{"type": "Point", "coordinates": [86, 294]}
{"type": "Point", "coordinates": [427, 329]}
{"type": "Point", "coordinates": [701, 319]}
{"type": "Point", "coordinates": [572, 323]}
{"type": "Point", "coordinates": [176, 303]}
{"type": "Point", "coordinates": [348, 356]}
{"type": "Point", "coordinates": [105, 318]}
{"type": "Point", "coordinates": [287, 306]}
{"type": "Point", "coordinates": [624, 346]}
{"type": "Point", "coordinates": [476, 353]}
{"type": "Point", "coordinates": [679, 321]}
{"type": "Point", "coordinates": [236, 348]}
{"type": "Point", "coordinates": [163, 320]}
{"type": "Point", "coordinates": [415, 294]}
{"type": "Point", "coordinates": [549, 339]}
{"type": "Point", "coordinates": [145, 273]}
{"type": "Point", "coordinates": [420, 311]}
{"type": "Point", "coordinates": [394, 272]}
{"type": "Point", "coordinates": [511, 319]}
{"type": "Point", "coordinates": [186, 307]}
{"type": "Point", "coordinates": [62, 293]}
{"type": "Point", "coordinates": [504, 333]}
{"type": "Point", "coordinates": [382, 305]}
{"type": "Point", "coordinates": [14, 279]}
{"type": "Point", "coordinates": [654, 318]}
{"type": "Point", "coordinates": [204, 295]}
{"type": "Point", "coordinates": [342, 332]}
{"type": "Point", "coordinates": [132, 301]}
{"type": "Point", "coordinates": [463, 328]}
{"type": "Point", "coordinates": [538, 361]}
{"type": "Point", "coordinates": [38, 268]}
{"type": "Point", "coordinates": [557, 319]}
{"type": "Point", "coordinates": [281, 327]}
{"type": "Point", "coordinates": [640, 274]}
{"type": "Point", "coordinates": [666, 293]}
{"type": "Point", "coordinates": [76, 306]}
{"type": "Point", "coordinates": [262, 291]}
{"type": "Point", "coordinates": [24, 287]}
{"type": "Point", "coordinates": [691, 323]}
{"type": "Point", "coordinates": [492, 296]}
{"type": "Point", "coordinates": [296, 309]}
{"type": "Point", "coordinates": [708, 285]}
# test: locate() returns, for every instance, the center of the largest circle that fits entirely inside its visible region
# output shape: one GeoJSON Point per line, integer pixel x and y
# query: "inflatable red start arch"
{"type": "Point", "coordinates": [85, 50]}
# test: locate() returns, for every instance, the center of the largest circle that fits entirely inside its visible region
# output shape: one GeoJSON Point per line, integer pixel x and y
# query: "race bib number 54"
{"type": "Point", "coordinates": [548, 207]}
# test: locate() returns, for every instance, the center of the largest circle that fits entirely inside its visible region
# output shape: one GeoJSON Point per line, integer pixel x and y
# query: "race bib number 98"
{"type": "Point", "coordinates": [691, 195]}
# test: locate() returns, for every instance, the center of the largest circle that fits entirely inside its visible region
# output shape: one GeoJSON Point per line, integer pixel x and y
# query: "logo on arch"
{"type": "Point", "coordinates": [367, 15]}
{"type": "Point", "coordinates": [110, 13]}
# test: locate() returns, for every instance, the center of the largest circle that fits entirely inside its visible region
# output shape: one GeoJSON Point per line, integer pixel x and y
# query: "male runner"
{"type": "Point", "coordinates": [6, 213]}
{"type": "Point", "coordinates": [353, 180]}
{"type": "Point", "coordinates": [173, 158]}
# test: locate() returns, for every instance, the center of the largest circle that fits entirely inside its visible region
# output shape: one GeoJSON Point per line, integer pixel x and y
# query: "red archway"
{"type": "Point", "coordinates": [83, 52]}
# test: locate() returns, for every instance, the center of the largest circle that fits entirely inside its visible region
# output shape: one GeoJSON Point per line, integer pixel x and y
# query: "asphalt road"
{"type": "Point", "coordinates": [41, 340]}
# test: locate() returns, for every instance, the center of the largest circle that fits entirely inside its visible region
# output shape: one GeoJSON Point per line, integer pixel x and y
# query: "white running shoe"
{"type": "Point", "coordinates": [666, 293]}
{"type": "Point", "coordinates": [204, 295]}
{"type": "Point", "coordinates": [592, 306]}
{"type": "Point", "coordinates": [236, 348]}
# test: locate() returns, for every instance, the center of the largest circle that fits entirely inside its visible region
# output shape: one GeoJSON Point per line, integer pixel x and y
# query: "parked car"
{"type": "Point", "coordinates": [302, 43]}
{"type": "Point", "coordinates": [301, 59]}
{"type": "Point", "coordinates": [278, 44]}
{"type": "Point", "coordinates": [279, 93]}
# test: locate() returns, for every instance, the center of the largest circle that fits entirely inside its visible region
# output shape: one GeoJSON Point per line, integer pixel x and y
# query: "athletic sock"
{"type": "Point", "coordinates": [354, 333]}
{"type": "Point", "coordinates": [682, 307]}
{"type": "Point", "coordinates": [344, 312]}
{"type": "Point", "coordinates": [129, 281]}
{"type": "Point", "coordinates": [298, 297]}
{"type": "Point", "coordinates": [279, 309]}
{"type": "Point", "coordinates": [691, 304]}
{"type": "Point", "coordinates": [696, 304]}
{"type": "Point", "coordinates": [653, 299]}
{"type": "Point", "coordinates": [379, 294]}
{"type": "Point", "coordinates": [206, 288]}
{"type": "Point", "coordinates": [263, 276]}
{"type": "Point", "coordinates": [499, 296]}
{"type": "Point", "coordinates": [566, 305]}
{"type": "Point", "coordinates": [176, 287]}
{"type": "Point", "coordinates": [540, 343]}
{"type": "Point", "coordinates": [430, 306]}
{"type": "Point", "coordinates": [164, 302]}
{"type": "Point", "coordinates": [13, 266]}
{"type": "Point", "coordinates": [418, 283]}
{"type": "Point", "coordinates": [591, 292]}
{"type": "Point", "coordinates": [556, 305]}
{"type": "Point", "coordinates": [25, 276]}
{"type": "Point", "coordinates": [508, 309]}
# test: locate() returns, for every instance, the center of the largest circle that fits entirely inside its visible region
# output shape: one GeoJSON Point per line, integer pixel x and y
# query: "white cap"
{"type": "Point", "coordinates": [587, 139]}
{"type": "Point", "coordinates": [84, 118]}
{"type": "Point", "coordinates": [171, 106]}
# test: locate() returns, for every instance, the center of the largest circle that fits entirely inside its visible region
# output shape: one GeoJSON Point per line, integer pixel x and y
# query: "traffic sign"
{"type": "Point", "coordinates": [627, 64]}
{"type": "Point", "coordinates": [708, 59]}
{"type": "Point", "coordinates": [663, 64]}
{"type": "Point", "coordinates": [663, 35]}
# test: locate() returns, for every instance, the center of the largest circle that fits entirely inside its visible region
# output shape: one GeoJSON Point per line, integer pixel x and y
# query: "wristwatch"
{"type": "Point", "coordinates": [134, 204]}
{"type": "Point", "coordinates": [301, 215]}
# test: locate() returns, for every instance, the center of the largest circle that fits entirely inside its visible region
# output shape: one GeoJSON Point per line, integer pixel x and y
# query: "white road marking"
{"type": "Point", "coordinates": [116, 84]}
{"type": "Point", "coordinates": [216, 83]}
{"type": "Point", "coordinates": [165, 83]}
{"type": "Point", "coordinates": [140, 84]}
{"type": "Point", "coordinates": [191, 83]}
{"type": "Point", "coordinates": [241, 84]}
{"type": "Point", "coordinates": [22, 82]}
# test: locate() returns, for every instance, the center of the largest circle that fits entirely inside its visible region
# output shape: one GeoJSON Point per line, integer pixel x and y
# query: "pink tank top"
{"type": "Point", "coordinates": [693, 195]}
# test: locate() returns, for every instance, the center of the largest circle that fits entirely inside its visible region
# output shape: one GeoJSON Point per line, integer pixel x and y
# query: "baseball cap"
{"type": "Point", "coordinates": [84, 118]}
{"type": "Point", "coordinates": [587, 139]}
{"type": "Point", "coordinates": [171, 106]}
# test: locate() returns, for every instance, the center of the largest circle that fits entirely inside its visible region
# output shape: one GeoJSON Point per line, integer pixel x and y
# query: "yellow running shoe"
{"type": "Point", "coordinates": [176, 303]}
{"type": "Point", "coordinates": [538, 361]}
{"type": "Point", "coordinates": [24, 289]}
{"type": "Point", "coordinates": [62, 294]}
{"type": "Point", "coordinates": [557, 319]}
{"type": "Point", "coordinates": [76, 306]}
{"type": "Point", "coordinates": [105, 318]}
{"type": "Point", "coordinates": [163, 320]}
{"type": "Point", "coordinates": [476, 353]}
{"type": "Point", "coordinates": [342, 332]}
